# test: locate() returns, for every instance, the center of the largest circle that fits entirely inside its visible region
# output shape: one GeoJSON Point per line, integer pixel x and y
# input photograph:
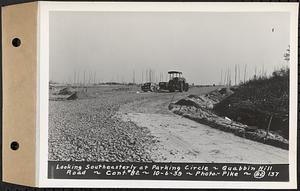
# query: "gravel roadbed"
{"type": "Point", "coordinates": [89, 130]}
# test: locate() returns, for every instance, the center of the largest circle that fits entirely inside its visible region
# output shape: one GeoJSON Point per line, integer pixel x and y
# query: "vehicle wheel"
{"type": "Point", "coordinates": [186, 87]}
{"type": "Point", "coordinates": [181, 87]}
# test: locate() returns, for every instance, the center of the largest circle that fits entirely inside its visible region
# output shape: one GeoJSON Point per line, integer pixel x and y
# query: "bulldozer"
{"type": "Point", "coordinates": [176, 82]}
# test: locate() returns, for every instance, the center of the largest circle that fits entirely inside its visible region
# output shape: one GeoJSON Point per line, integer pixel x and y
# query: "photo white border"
{"type": "Point", "coordinates": [43, 83]}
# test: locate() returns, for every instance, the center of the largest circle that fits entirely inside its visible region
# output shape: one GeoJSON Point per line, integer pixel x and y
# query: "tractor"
{"type": "Point", "coordinates": [176, 82]}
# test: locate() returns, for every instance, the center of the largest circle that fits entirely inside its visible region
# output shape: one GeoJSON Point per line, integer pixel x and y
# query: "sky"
{"type": "Point", "coordinates": [205, 46]}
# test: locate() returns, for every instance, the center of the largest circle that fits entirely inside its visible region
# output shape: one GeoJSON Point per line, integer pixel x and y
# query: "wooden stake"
{"type": "Point", "coordinates": [268, 129]}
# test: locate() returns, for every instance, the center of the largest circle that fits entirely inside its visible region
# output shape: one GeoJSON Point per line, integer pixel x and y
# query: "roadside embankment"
{"type": "Point", "coordinates": [200, 109]}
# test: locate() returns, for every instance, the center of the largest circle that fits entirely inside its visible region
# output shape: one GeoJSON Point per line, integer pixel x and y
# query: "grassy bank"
{"type": "Point", "coordinates": [261, 103]}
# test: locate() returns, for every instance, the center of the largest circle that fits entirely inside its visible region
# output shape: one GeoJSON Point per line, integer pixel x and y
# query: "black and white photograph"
{"type": "Point", "coordinates": [169, 89]}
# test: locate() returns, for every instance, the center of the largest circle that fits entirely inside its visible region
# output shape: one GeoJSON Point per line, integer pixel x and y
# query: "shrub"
{"type": "Point", "coordinates": [255, 101]}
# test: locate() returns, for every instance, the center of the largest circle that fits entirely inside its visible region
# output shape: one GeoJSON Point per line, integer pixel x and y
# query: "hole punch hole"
{"type": "Point", "coordinates": [16, 42]}
{"type": "Point", "coordinates": [14, 146]}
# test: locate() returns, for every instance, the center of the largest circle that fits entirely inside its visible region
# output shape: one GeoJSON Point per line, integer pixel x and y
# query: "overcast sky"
{"type": "Point", "coordinates": [114, 45]}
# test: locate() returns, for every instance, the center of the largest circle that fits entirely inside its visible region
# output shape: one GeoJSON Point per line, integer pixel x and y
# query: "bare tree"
{"type": "Point", "coordinates": [245, 73]}
{"type": "Point", "coordinates": [239, 74]}
{"type": "Point", "coordinates": [287, 54]}
{"type": "Point", "coordinates": [221, 76]}
{"type": "Point", "coordinates": [235, 74]}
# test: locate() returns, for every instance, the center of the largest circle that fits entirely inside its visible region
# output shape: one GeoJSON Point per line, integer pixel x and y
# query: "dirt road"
{"type": "Point", "coordinates": [183, 140]}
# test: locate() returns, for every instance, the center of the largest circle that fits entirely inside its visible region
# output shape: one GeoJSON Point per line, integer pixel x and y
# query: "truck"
{"type": "Point", "coordinates": [149, 87]}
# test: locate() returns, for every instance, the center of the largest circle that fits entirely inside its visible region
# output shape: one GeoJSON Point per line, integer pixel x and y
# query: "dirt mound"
{"type": "Point", "coordinates": [260, 102]}
{"type": "Point", "coordinates": [73, 96]}
{"type": "Point", "coordinates": [66, 91]}
{"type": "Point", "coordinates": [56, 97]}
{"type": "Point", "coordinates": [219, 94]}
{"type": "Point", "coordinates": [201, 109]}
{"type": "Point", "coordinates": [206, 101]}
{"type": "Point", "coordinates": [196, 101]}
{"type": "Point", "coordinates": [187, 102]}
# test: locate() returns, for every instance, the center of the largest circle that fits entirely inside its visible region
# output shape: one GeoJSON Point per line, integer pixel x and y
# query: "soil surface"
{"type": "Point", "coordinates": [110, 123]}
{"type": "Point", "coordinates": [182, 140]}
